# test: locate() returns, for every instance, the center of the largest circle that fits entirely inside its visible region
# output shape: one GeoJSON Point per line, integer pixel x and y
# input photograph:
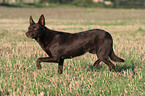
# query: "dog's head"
{"type": "Point", "coordinates": [36, 29]}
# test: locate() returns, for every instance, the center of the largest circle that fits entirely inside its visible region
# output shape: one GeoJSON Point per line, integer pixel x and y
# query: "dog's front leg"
{"type": "Point", "coordinates": [51, 59]}
{"type": "Point", "coordinates": [60, 66]}
{"type": "Point", "coordinates": [45, 59]}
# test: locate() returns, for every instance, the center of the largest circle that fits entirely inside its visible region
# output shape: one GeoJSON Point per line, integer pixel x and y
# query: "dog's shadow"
{"type": "Point", "coordinates": [118, 68]}
{"type": "Point", "coordinates": [124, 67]}
{"type": "Point", "coordinates": [99, 67]}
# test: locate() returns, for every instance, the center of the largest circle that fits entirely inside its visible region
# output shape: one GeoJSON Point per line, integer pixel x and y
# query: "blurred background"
{"type": "Point", "coordinates": [82, 3]}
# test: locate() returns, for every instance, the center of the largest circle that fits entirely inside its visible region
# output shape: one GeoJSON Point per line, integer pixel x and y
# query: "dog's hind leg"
{"type": "Point", "coordinates": [96, 63]}
{"type": "Point", "coordinates": [106, 61]}
{"type": "Point", "coordinates": [109, 63]}
{"type": "Point", "coordinates": [103, 54]}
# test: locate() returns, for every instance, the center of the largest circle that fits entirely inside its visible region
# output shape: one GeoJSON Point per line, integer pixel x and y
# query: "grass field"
{"type": "Point", "coordinates": [20, 77]}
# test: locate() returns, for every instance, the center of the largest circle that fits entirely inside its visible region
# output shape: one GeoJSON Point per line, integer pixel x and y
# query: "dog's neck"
{"type": "Point", "coordinates": [45, 38]}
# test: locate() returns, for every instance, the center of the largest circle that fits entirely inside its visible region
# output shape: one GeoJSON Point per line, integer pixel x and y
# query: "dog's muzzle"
{"type": "Point", "coordinates": [29, 35]}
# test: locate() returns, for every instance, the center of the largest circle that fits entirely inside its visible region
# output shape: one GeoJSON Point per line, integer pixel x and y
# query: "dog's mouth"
{"type": "Point", "coordinates": [29, 35]}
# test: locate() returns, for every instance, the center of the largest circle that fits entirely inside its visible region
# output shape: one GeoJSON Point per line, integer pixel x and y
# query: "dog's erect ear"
{"type": "Point", "coordinates": [42, 20]}
{"type": "Point", "coordinates": [31, 20]}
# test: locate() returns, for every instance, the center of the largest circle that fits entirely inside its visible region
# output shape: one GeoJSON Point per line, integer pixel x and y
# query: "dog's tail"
{"type": "Point", "coordinates": [115, 58]}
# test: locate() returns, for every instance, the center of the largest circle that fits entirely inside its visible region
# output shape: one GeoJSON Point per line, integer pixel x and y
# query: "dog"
{"type": "Point", "coordinates": [61, 45]}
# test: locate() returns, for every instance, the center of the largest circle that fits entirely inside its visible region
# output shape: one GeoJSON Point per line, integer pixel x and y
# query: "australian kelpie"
{"type": "Point", "coordinates": [61, 45]}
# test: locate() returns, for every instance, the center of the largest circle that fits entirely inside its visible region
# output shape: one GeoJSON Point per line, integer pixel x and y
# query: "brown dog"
{"type": "Point", "coordinates": [60, 45]}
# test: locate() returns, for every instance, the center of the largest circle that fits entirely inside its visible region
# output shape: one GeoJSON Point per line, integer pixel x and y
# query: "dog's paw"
{"type": "Point", "coordinates": [60, 71]}
{"type": "Point", "coordinates": [112, 67]}
{"type": "Point", "coordinates": [38, 66]}
{"type": "Point", "coordinates": [95, 66]}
